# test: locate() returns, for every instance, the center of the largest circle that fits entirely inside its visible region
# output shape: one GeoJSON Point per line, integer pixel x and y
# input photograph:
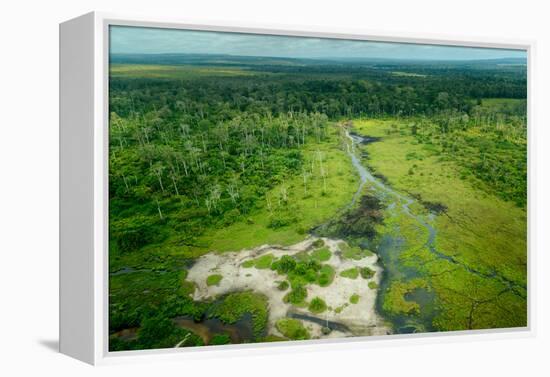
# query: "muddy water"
{"type": "Point", "coordinates": [240, 332]}
{"type": "Point", "coordinates": [390, 246]}
{"type": "Point", "coordinates": [332, 325]}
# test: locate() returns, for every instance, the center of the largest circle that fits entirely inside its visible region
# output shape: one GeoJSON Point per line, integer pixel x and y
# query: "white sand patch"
{"type": "Point", "coordinates": [360, 318]}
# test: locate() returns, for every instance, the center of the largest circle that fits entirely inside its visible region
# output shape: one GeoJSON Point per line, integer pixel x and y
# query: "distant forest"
{"type": "Point", "coordinates": [343, 89]}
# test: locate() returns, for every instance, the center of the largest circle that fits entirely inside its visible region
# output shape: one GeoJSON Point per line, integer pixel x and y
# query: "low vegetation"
{"type": "Point", "coordinates": [292, 329]}
{"type": "Point", "coordinates": [351, 273]}
{"type": "Point", "coordinates": [262, 262]}
{"type": "Point", "coordinates": [220, 339]}
{"type": "Point", "coordinates": [317, 305]}
{"type": "Point", "coordinates": [366, 272]}
{"type": "Point", "coordinates": [213, 279]}
{"type": "Point", "coordinates": [395, 301]}
{"type": "Point", "coordinates": [236, 305]}
{"type": "Point", "coordinates": [207, 156]}
{"type": "Point", "coordinates": [301, 270]}
{"type": "Point", "coordinates": [477, 273]}
{"type": "Point", "coordinates": [321, 255]}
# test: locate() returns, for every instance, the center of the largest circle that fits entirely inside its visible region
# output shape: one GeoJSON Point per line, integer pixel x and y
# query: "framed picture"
{"type": "Point", "coordinates": [228, 189]}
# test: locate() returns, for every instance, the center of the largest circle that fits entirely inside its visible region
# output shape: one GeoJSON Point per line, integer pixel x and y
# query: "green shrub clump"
{"type": "Point", "coordinates": [297, 295]}
{"type": "Point", "coordinates": [351, 273]}
{"type": "Point", "coordinates": [292, 329]}
{"type": "Point", "coordinates": [284, 265]}
{"type": "Point", "coordinates": [318, 243]}
{"type": "Point", "coordinates": [317, 305]}
{"type": "Point", "coordinates": [321, 255]}
{"type": "Point", "coordinates": [283, 285]}
{"type": "Point", "coordinates": [248, 264]}
{"type": "Point", "coordinates": [354, 252]}
{"type": "Point", "coordinates": [213, 279]}
{"type": "Point", "coordinates": [326, 276]}
{"type": "Point", "coordinates": [366, 272]}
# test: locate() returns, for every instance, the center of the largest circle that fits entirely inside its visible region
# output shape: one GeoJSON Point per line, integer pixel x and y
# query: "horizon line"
{"type": "Point", "coordinates": [317, 57]}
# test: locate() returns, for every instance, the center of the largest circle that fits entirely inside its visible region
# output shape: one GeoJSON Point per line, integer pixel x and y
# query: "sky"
{"type": "Point", "coordinates": [140, 40]}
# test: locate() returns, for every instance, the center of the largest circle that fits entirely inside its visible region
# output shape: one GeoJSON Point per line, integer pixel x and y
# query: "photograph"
{"type": "Point", "coordinates": [276, 188]}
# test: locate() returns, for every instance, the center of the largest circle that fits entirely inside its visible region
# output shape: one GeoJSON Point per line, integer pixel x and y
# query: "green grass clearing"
{"type": "Point", "coordinates": [213, 279]}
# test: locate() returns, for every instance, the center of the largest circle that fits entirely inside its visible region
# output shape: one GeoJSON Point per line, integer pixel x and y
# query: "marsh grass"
{"type": "Point", "coordinates": [482, 235]}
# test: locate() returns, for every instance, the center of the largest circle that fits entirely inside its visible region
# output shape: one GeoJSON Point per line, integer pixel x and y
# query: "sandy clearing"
{"type": "Point", "coordinates": [360, 318]}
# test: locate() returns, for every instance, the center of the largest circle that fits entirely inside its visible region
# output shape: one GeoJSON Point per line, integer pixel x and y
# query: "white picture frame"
{"type": "Point", "coordinates": [84, 52]}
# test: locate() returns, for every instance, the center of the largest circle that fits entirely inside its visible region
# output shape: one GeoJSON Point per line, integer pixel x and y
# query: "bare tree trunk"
{"type": "Point", "coordinates": [125, 182]}
{"type": "Point", "coordinates": [304, 174]}
{"type": "Point", "coordinates": [185, 167]}
{"type": "Point", "coordinates": [158, 208]}
{"type": "Point", "coordinates": [159, 176]}
{"type": "Point", "coordinates": [269, 207]}
{"type": "Point", "coordinates": [175, 185]}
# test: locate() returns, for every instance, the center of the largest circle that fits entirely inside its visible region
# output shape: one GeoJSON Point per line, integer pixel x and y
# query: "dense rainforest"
{"type": "Point", "coordinates": [201, 143]}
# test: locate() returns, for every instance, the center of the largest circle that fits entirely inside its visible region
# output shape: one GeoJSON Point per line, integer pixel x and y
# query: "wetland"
{"type": "Point", "coordinates": [261, 199]}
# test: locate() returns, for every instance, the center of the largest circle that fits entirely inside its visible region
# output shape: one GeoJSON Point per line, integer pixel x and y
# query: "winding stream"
{"type": "Point", "coordinates": [389, 247]}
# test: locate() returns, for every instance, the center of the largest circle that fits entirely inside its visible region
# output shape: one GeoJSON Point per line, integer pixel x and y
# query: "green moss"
{"type": "Point", "coordinates": [351, 273]}
{"type": "Point", "coordinates": [292, 329]}
{"type": "Point", "coordinates": [213, 279]}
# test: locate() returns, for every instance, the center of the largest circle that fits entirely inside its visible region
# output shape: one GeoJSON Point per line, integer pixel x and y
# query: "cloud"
{"type": "Point", "coordinates": [125, 39]}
